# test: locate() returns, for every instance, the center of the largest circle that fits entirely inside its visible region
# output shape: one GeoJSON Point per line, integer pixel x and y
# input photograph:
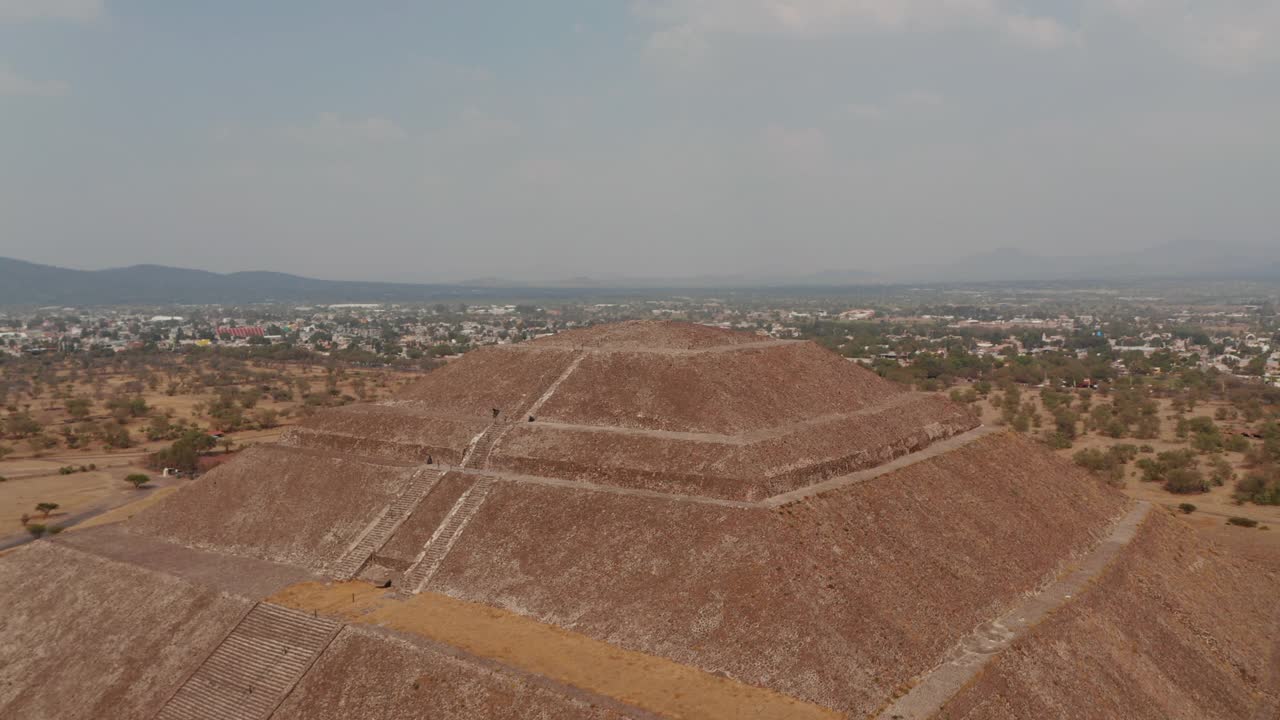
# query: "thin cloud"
{"type": "Point", "coordinates": [1226, 34]}
{"type": "Point", "coordinates": [15, 85]}
{"type": "Point", "coordinates": [689, 24]}
{"type": "Point", "coordinates": [81, 10]}
{"type": "Point", "coordinates": [913, 100]}
{"type": "Point", "coordinates": [333, 130]}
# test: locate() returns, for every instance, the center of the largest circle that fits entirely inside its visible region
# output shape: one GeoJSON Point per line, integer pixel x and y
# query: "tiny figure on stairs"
{"type": "Point", "coordinates": [495, 413]}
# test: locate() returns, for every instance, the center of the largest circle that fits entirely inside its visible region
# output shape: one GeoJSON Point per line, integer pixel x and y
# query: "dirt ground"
{"type": "Point", "coordinates": [124, 512]}
{"type": "Point", "coordinates": [33, 477]}
{"type": "Point", "coordinates": [49, 408]}
{"type": "Point", "coordinates": [74, 493]}
{"type": "Point", "coordinates": [1212, 507]}
{"type": "Point", "coordinates": [653, 683]}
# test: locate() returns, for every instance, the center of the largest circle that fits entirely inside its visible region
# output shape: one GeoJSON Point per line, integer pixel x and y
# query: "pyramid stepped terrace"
{"type": "Point", "coordinates": [641, 520]}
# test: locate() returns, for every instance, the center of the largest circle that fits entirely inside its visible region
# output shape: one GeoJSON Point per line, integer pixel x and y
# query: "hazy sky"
{"type": "Point", "coordinates": [434, 140]}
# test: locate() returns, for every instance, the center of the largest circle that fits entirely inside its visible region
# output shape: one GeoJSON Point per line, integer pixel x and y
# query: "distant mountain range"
{"type": "Point", "coordinates": [1185, 259]}
{"type": "Point", "coordinates": [32, 284]}
{"type": "Point", "coordinates": [26, 283]}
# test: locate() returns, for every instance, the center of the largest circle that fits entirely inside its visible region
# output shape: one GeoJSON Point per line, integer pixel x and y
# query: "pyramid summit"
{"type": "Point", "coordinates": [663, 406]}
{"type": "Point", "coordinates": [647, 519]}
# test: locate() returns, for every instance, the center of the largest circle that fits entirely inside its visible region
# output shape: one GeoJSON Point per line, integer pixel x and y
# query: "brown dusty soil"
{"type": "Point", "coordinates": [86, 638]}
{"type": "Point", "coordinates": [124, 512]}
{"type": "Point", "coordinates": [729, 392]}
{"type": "Point", "coordinates": [650, 335]}
{"type": "Point", "coordinates": [836, 600]}
{"type": "Point", "coordinates": [731, 468]}
{"type": "Point", "coordinates": [367, 673]}
{"type": "Point", "coordinates": [280, 504]}
{"type": "Point", "coordinates": [73, 493]}
{"type": "Point", "coordinates": [652, 683]}
{"type": "Point", "coordinates": [1218, 500]}
{"type": "Point", "coordinates": [1177, 628]}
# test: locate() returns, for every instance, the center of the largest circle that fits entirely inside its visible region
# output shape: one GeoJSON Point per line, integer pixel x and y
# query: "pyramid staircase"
{"type": "Point", "coordinates": [445, 536]}
{"type": "Point", "coordinates": [477, 456]}
{"type": "Point", "coordinates": [376, 535]}
{"type": "Point", "coordinates": [254, 668]}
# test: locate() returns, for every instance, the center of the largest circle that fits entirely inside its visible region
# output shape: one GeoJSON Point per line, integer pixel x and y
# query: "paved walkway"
{"type": "Point", "coordinates": [931, 451]}
{"type": "Point", "coordinates": [933, 690]}
{"type": "Point", "coordinates": [611, 489]}
{"type": "Point", "coordinates": [551, 390]}
{"type": "Point", "coordinates": [744, 438]}
{"type": "Point", "coordinates": [934, 450]}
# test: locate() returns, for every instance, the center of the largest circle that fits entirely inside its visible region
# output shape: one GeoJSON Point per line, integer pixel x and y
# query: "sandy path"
{"type": "Point", "coordinates": [74, 493]}
{"type": "Point", "coordinates": [124, 512]}
{"type": "Point", "coordinates": [96, 502]}
{"type": "Point", "coordinates": [651, 683]}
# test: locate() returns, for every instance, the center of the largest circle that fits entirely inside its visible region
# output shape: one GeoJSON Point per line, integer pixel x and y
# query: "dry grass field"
{"type": "Point", "coordinates": [1212, 507]}
{"type": "Point", "coordinates": [250, 402]}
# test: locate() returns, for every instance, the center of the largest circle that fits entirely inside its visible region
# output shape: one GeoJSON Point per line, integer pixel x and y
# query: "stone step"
{"type": "Point", "coordinates": [478, 455]}
{"type": "Point", "coordinates": [253, 668]}
{"type": "Point", "coordinates": [445, 536]}
{"type": "Point", "coordinates": [350, 564]}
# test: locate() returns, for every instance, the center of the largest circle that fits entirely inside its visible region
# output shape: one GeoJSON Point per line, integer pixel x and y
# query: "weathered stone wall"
{"type": "Point", "coordinates": [803, 456]}
{"type": "Point", "coordinates": [82, 637]}
{"type": "Point", "coordinates": [276, 503]}
{"type": "Point", "coordinates": [392, 432]}
{"type": "Point", "coordinates": [836, 600]}
{"type": "Point", "coordinates": [362, 675]}
{"type": "Point", "coordinates": [1176, 628]}
{"type": "Point", "coordinates": [717, 392]}
{"type": "Point", "coordinates": [509, 379]}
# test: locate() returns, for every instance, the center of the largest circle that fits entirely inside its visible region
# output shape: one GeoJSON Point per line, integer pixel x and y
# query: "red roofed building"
{"type": "Point", "coordinates": [242, 332]}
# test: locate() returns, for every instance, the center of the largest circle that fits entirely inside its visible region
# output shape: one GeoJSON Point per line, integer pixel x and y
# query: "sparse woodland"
{"type": "Point", "coordinates": [54, 404]}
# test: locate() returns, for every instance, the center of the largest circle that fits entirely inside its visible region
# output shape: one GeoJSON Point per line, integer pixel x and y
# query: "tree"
{"type": "Point", "coordinates": [184, 453]}
{"type": "Point", "coordinates": [1186, 480]}
{"type": "Point", "coordinates": [1261, 487]}
{"type": "Point", "coordinates": [1221, 472]}
{"type": "Point", "coordinates": [79, 407]}
{"type": "Point", "coordinates": [46, 507]}
{"type": "Point", "coordinates": [124, 408]}
{"type": "Point", "coordinates": [21, 425]}
{"type": "Point", "coordinates": [267, 418]}
{"type": "Point", "coordinates": [114, 435]}
{"type": "Point", "coordinates": [159, 428]}
{"type": "Point", "coordinates": [36, 529]}
{"type": "Point", "coordinates": [137, 480]}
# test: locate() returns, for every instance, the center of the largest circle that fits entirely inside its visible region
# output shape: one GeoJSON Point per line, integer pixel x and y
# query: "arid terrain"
{"type": "Point", "coordinates": [89, 430]}
{"type": "Point", "coordinates": [422, 552]}
{"type": "Point", "coordinates": [1217, 501]}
